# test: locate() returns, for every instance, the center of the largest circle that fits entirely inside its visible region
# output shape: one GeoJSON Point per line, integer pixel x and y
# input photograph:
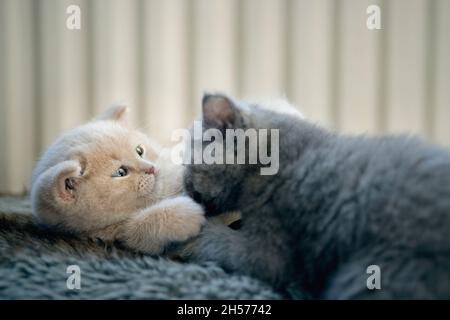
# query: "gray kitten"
{"type": "Point", "coordinates": [337, 205]}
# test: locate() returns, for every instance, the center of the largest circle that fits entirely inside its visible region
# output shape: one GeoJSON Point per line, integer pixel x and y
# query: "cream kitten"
{"type": "Point", "coordinates": [107, 180]}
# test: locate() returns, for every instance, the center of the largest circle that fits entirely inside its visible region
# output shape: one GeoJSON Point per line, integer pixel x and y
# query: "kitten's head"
{"type": "Point", "coordinates": [220, 186]}
{"type": "Point", "coordinates": [97, 174]}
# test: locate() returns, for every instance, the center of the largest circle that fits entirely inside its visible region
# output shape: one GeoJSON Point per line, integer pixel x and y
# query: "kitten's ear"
{"type": "Point", "coordinates": [219, 111]}
{"type": "Point", "coordinates": [117, 113]}
{"type": "Point", "coordinates": [64, 180]}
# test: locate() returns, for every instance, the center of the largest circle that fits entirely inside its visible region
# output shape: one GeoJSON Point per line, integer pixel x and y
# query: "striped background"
{"type": "Point", "coordinates": [160, 55]}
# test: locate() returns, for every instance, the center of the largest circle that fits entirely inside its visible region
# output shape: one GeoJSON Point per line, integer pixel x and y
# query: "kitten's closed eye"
{"type": "Point", "coordinates": [197, 197]}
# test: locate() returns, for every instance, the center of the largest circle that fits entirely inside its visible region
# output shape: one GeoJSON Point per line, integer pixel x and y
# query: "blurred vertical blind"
{"type": "Point", "coordinates": [160, 55]}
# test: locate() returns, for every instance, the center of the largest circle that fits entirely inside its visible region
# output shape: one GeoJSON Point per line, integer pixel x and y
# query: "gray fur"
{"type": "Point", "coordinates": [338, 204]}
{"type": "Point", "coordinates": [33, 262]}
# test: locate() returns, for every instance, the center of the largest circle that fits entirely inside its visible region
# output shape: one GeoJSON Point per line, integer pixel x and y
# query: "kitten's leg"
{"type": "Point", "coordinates": [171, 220]}
{"type": "Point", "coordinates": [236, 250]}
{"type": "Point", "coordinates": [403, 275]}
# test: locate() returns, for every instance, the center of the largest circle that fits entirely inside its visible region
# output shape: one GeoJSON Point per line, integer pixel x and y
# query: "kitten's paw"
{"type": "Point", "coordinates": [172, 220]}
{"type": "Point", "coordinates": [135, 235]}
{"type": "Point", "coordinates": [186, 218]}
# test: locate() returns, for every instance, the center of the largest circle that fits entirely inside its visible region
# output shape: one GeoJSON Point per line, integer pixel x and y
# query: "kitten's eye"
{"type": "Point", "coordinates": [139, 151]}
{"type": "Point", "coordinates": [121, 172]}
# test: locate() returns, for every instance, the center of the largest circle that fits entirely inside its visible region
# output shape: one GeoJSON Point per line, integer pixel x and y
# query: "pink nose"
{"type": "Point", "coordinates": [150, 170]}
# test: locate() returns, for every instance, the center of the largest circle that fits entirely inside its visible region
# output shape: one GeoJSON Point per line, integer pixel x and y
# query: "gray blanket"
{"type": "Point", "coordinates": [34, 262]}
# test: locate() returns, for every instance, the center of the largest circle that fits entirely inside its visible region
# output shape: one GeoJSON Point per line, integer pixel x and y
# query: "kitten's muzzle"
{"type": "Point", "coordinates": [146, 184]}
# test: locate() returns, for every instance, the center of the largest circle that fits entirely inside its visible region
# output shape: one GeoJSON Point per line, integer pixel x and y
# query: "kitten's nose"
{"type": "Point", "coordinates": [150, 170]}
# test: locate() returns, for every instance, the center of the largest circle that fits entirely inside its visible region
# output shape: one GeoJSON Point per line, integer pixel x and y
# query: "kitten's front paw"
{"type": "Point", "coordinates": [186, 217]}
{"type": "Point", "coordinates": [172, 220]}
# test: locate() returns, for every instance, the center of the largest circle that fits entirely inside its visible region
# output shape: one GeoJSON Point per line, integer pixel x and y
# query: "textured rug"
{"type": "Point", "coordinates": [34, 264]}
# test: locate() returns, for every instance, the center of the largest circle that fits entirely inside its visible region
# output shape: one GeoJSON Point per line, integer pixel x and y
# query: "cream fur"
{"type": "Point", "coordinates": [146, 211]}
